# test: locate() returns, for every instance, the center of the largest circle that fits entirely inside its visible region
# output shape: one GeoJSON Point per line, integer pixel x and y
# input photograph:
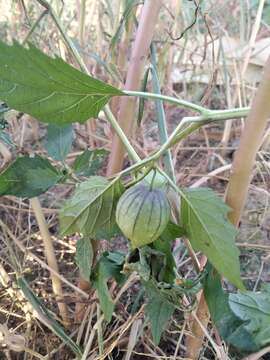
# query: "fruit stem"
{"type": "Point", "coordinates": [153, 179]}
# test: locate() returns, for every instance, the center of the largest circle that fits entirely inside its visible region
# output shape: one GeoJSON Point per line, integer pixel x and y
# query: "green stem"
{"type": "Point", "coordinates": [117, 128]}
{"type": "Point", "coordinates": [179, 102]}
{"type": "Point", "coordinates": [161, 117]}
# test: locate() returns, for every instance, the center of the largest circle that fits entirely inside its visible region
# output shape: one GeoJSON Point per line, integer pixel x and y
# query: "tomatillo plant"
{"type": "Point", "coordinates": [134, 203]}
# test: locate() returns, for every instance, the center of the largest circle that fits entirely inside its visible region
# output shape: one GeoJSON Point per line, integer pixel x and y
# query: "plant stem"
{"type": "Point", "coordinates": [172, 100]}
{"type": "Point", "coordinates": [163, 134]}
{"type": "Point", "coordinates": [33, 28]}
{"type": "Point", "coordinates": [140, 48]}
{"type": "Point", "coordinates": [120, 133]}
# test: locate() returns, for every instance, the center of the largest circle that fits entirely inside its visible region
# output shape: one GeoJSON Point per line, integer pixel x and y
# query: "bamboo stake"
{"type": "Point", "coordinates": [144, 35]}
{"type": "Point", "coordinates": [50, 255]}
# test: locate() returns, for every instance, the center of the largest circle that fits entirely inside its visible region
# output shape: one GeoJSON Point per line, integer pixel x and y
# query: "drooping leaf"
{"type": "Point", "coordinates": [164, 245]}
{"type": "Point", "coordinates": [84, 257]}
{"type": "Point", "coordinates": [28, 177]}
{"type": "Point", "coordinates": [91, 210]}
{"type": "Point", "coordinates": [59, 141]}
{"type": "Point", "coordinates": [230, 327]}
{"type": "Point", "coordinates": [108, 266]}
{"type": "Point", "coordinates": [253, 308]}
{"type": "Point", "coordinates": [141, 99]}
{"type": "Point", "coordinates": [89, 162]}
{"type": "Point", "coordinates": [49, 89]}
{"type": "Point", "coordinates": [203, 216]}
{"type": "Point", "coordinates": [158, 309]}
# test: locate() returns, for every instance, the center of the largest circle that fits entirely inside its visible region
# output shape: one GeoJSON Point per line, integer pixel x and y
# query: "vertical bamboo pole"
{"type": "Point", "coordinates": [144, 35]}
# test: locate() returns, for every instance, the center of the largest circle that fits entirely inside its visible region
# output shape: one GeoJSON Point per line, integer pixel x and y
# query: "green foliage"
{"type": "Point", "coordinates": [159, 310]}
{"type": "Point", "coordinates": [253, 308]}
{"type": "Point", "coordinates": [142, 100]}
{"type": "Point", "coordinates": [203, 216]}
{"type": "Point", "coordinates": [109, 266]}
{"type": "Point", "coordinates": [84, 257]}
{"type": "Point", "coordinates": [230, 327]}
{"type": "Point", "coordinates": [49, 89]}
{"type": "Point", "coordinates": [91, 210]}
{"type": "Point", "coordinates": [59, 141]}
{"type": "Point", "coordinates": [164, 244]}
{"type": "Point", "coordinates": [242, 319]}
{"type": "Point", "coordinates": [89, 162]}
{"type": "Point", "coordinates": [28, 177]}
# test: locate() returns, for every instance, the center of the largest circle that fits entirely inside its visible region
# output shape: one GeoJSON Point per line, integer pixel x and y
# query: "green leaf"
{"type": "Point", "coordinates": [230, 327]}
{"type": "Point", "coordinates": [91, 210]}
{"type": "Point", "coordinates": [28, 177]}
{"type": "Point", "coordinates": [89, 162]}
{"type": "Point", "coordinates": [141, 99]}
{"type": "Point", "coordinates": [164, 244]}
{"type": "Point", "coordinates": [84, 257]}
{"type": "Point", "coordinates": [109, 265]}
{"type": "Point", "coordinates": [253, 308]}
{"type": "Point", "coordinates": [59, 141]}
{"type": "Point", "coordinates": [203, 216]}
{"type": "Point", "coordinates": [48, 88]}
{"type": "Point", "coordinates": [158, 309]}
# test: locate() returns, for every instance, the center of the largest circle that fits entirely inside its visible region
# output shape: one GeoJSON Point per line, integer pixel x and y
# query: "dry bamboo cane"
{"type": "Point", "coordinates": [144, 35]}
{"type": "Point", "coordinates": [239, 181]}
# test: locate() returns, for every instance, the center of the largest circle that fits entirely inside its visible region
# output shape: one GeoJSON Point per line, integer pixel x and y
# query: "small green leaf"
{"type": "Point", "coordinates": [48, 88]}
{"type": "Point", "coordinates": [141, 99]}
{"type": "Point", "coordinates": [28, 177]}
{"type": "Point", "coordinates": [89, 162]}
{"type": "Point", "coordinates": [253, 308]}
{"type": "Point", "coordinates": [203, 216]}
{"type": "Point", "coordinates": [84, 257]}
{"type": "Point", "coordinates": [164, 244]}
{"type": "Point", "coordinates": [59, 141]}
{"type": "Point", "coordinates": [230, 327]}
{"type": "Point", "coordinates": [109, 265]}
{"type": "Point", "coordinates": [91, 210]}
{"type": "Point", "coordinates": [158, 309]}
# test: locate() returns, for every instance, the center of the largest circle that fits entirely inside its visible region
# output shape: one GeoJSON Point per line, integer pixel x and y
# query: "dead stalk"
{"type": "Point", "coordinates": [144, 35]}
{"type": "Point", "coordinates": [50, 255]}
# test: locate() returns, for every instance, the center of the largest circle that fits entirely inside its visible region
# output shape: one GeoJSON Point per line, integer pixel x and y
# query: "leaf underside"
{"type": "Point", "coordinates": [59, 141]}
{"type": "Point", "coordinates": [84, 257]}
{"type": "Point", "coordinates": [28, 177]}
{"type": "Point", "coordinates": [92, 208]}
{"type": "Point", "coordinates": [203, 215]}
{"type": "Point", "coordinates": [49, 89]}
